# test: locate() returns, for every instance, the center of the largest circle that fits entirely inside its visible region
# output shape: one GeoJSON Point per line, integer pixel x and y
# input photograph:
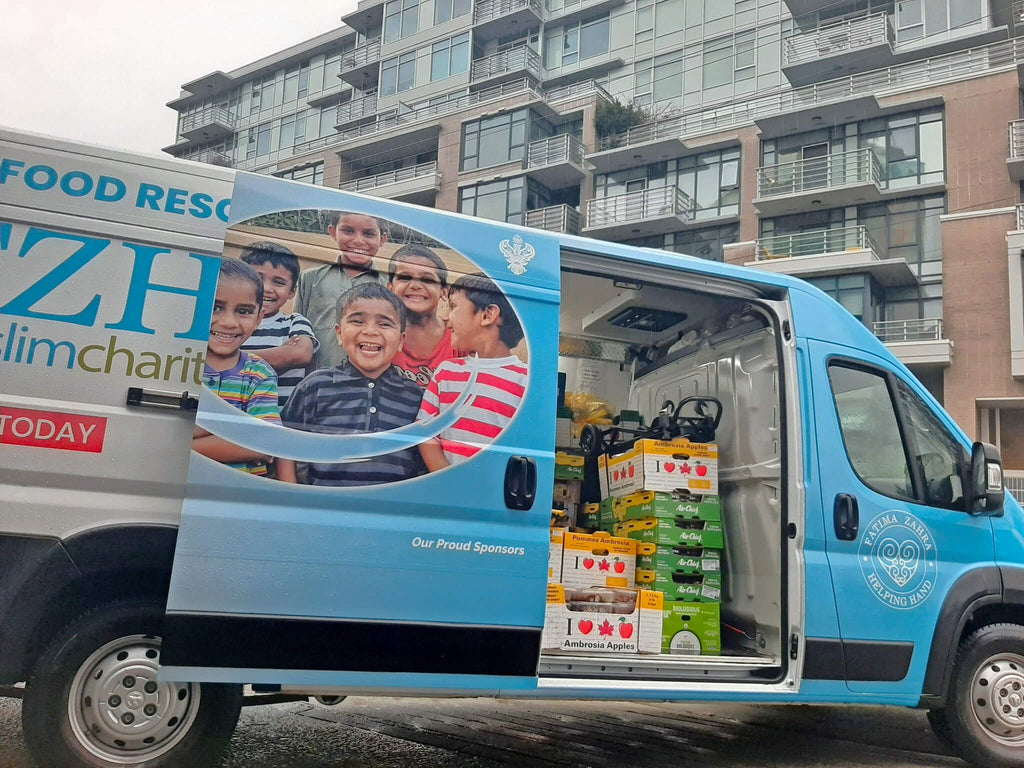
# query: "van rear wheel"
{"type": "Point", "coordinates": [94, 700]}
{"type": "Point", "coordinates": [984, 715]}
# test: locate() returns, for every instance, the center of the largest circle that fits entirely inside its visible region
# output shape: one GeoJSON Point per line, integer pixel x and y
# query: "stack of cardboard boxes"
{"type": "Point", "coordinates": [664, 497]}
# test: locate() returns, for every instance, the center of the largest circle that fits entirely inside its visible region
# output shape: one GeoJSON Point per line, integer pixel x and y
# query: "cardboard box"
{"type": "Point", "coordinates": [602, 475]}
{"type": "Point", "coordinates": [567, 491]}
{"type": "Point", "coordinates": [680, 558]}
{"type": "Point", "coordinates": [568, 466]}
{"type": "Point", "coordinates": [589, 517]}
{"type": "Point", "coordinates": [597, 560]}
{"type": "Point", "coordinates": [689, 587]}
{"type": "Point", "coordinates": [691, 628]}
{"type": "Point", "coordinates": [555, 555]}
{"type": "Point", "coordinates": [588, 621]}
{"type": "Point", "coordinates": [663, 532]}
{"type": "Point", "coordinates": [661, 504]}
{"type": "Point", "coordinates": [657, 465]}
{"type": "Point", "coordinates": [606, 514]}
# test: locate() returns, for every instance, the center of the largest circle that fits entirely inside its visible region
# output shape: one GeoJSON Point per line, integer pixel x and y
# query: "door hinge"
{"type": "Point", "coordinates": [794, 646]}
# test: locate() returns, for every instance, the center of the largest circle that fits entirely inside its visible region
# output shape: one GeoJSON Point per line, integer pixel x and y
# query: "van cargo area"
{"type": "Point", "coordinates": [629, 348]}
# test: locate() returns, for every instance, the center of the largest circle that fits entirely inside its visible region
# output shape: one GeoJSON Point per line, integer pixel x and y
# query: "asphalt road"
{"type": "Point", "coordinates": [485, 733]}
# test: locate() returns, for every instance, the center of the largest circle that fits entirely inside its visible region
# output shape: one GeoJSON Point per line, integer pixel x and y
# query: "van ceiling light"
{"type": "Point", "coordinates": [646, 315]}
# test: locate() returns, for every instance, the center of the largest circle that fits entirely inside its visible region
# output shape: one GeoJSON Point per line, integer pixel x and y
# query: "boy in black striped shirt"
{"type": "Point", "coordinates": [364, 393]}
{"type": "Point", "coordinates": [285, 341]}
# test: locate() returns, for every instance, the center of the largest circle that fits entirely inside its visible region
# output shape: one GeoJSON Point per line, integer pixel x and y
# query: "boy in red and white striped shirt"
{"type": "Point", "coordinates": [484, 324]}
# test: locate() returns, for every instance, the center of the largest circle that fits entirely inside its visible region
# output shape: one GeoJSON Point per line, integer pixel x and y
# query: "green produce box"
{"type": "Point", "coordinates": [606, 515]}
{"type": "Point", "coordinates": [691, 587]}
{"type": "Point", "coordinates": [662, 531]}
{"type": "Point", "coordinates": [568, 467]}
{"type": "Point", "coordinates": [691, 628]}
{"type": "Point", "coordinates": [682, 559]}
{"type": "Point", "coordinates": [659, 504]}
{"type": "Point", "coordinates": [589, 517]}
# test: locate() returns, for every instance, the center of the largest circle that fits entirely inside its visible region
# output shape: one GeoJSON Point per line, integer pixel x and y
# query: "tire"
{"type": "Point", "coordinates": [93, 700]}
{"type": "Point", "coordinates": [984, 714]}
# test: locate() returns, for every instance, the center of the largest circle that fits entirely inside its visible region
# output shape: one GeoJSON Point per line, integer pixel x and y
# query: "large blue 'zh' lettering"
{"type": "Point", "coordinates": [21, 305]}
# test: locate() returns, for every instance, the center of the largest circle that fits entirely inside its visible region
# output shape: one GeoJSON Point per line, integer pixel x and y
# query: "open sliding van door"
{"type": "Point", "coordinates": [430, 580]}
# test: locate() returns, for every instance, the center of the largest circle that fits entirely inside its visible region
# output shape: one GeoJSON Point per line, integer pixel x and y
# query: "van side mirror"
{"type": "Point", "coordinates": [983, 490]}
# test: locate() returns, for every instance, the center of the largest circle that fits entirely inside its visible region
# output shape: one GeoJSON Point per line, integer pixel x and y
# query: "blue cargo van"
{"type": "Point", "coordinates": [870, 553]}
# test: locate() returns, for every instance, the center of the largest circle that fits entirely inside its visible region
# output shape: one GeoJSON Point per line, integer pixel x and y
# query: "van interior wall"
{"type": "Point", "coordinates": [741, 368]}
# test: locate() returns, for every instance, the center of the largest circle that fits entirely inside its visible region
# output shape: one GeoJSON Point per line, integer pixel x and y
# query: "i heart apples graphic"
{"type": "Point", "coordinates": [586, 625]}
{"type": "Point", "coordinates": [625, 629]}
{"type": "Point", "coordinates": [670, 466]}
{"type": "Point", "coordinates": [588, 563]}
{"type": "Point", "coordinates": [701, 470]}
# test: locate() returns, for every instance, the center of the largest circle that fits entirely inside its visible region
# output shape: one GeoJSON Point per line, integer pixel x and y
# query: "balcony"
{"type": "Point", "coordinates": [416, 183]}
{"type": "Point", "coordinates": [916, 342]}
{"type": "Point", "coordinates": [518, 62]}
{"type": "Point", "coordinates": [496, 18]}
{"type": "Point", "coordinates": [839, 48]}
{"type": "Point", "coordinates": [357, 109]}
{"type": "Point", "coordinates": [638, 214]}
{"type": "Point", "coordinates": [640, 145]}
{"type": "Point", "coordinates": [206, 124]}
{"type": "Point", "coordinates": [555, 162]}
{"type": "Point", "coordinates": [582, 90]}
{"type": "Point", "coordinates": [368, 18]}
{"type": "Point", "coordinates": [416, 124]}
{"type": "Point", "coordinates": [1014, 480]}
{"type": "Point", "coordinates": [212, 157]}
{"type": "Point", "coordinates": [825, 252]}
{"type": "Point", "coordinates": [845, 178]}
{"type": "Point", "coordinates": [359, 67]}
{"type": "Point", "coordinates": [555, 218]}
{"type": "Point", "coordinates": [1015, 161]}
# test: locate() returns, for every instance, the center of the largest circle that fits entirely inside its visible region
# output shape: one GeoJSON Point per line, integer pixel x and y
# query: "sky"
{"type": "Point", "coordinates": [102, 71]}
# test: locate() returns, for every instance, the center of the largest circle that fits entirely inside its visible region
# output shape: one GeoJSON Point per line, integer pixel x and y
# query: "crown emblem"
{"type": "Point", "coordinates": [517, 253]}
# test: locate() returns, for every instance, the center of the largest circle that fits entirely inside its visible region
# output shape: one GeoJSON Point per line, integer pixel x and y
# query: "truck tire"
{"type": "Point", "coordinates": [984, 714]}
{"type": "Point", "coordinates": [93, 700]}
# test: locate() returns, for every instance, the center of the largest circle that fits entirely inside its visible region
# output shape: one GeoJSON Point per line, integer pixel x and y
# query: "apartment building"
{"type": "Point", "coordinates": [871, 147]}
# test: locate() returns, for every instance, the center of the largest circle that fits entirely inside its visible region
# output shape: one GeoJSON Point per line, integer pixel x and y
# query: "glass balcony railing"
{"type": "Point", "coordinates": [212, 157]}
{"type": "Point", "coordinates": [577, 90]}
{"type": "Point", "coordinates": [551, 151]}
{"type": "Point", "coordinates": [409, 173]}
{"type": "Point", "coordinates": [555, 218]}
{"type": "Point", "coordinates": [639, 206]}
{"type": "Point", "coordinates": [838, 38]}
{"type": "Point", "coordinates": [896, 331]}
{"type": "Point", "coordinates": [516, 59]}
{"type": "Point", "coordinates": [858, 166]}
{"type": "Point", "coordinates": [815, 243]}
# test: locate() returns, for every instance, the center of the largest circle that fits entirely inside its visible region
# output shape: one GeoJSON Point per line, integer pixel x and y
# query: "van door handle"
{"type": "Point", "coordinates": [158, 398]}
{"type": "Point", "coordinates": [846, 516]}
{"type": "Point", "coordinates": [520, 482]}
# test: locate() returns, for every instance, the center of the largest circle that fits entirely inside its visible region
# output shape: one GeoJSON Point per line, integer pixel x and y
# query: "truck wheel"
{"type": "Point", "coordinates": [985, 711]}
{"type": "Point", "coordinates": [94, 701]}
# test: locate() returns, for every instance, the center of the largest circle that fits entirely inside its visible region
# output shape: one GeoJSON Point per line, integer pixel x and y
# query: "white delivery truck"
{"type": "Point", "coordinates": [754, 500]}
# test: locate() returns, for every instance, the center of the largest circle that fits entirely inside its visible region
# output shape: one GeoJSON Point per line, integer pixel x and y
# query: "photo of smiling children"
{"type": "Point", "coordinates": [419, 278]}
{"type": "Point", "coordinates": [358, 238]}
{"type": "Point", "coordinates": [240, 378]}
{"type": "Point", "coordinates": [483, 324]}
{"type": "Point", "coordinates": [285, 341]}
{"type": "Point", "coordinates": [364, 393]}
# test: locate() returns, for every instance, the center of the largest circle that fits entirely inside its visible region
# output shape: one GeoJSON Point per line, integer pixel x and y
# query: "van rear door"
{"type": "Point", "coordinates": [437, 580]}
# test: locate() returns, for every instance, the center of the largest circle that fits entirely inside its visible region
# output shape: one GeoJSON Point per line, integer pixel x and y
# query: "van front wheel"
{"type": "Point", "coordinates": [984, 716]}
{"type": "Point", "coordinates": [94, 700]}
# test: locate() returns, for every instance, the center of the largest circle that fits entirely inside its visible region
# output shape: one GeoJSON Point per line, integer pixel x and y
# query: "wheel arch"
{"type": "Point", "coordinates": [54, 581]}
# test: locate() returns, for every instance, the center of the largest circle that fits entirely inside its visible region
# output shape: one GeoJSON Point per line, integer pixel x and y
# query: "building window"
{"type": "Point", "coordinates": [581, 41]}
{"type": "Point", "coordinates": [706, 243]}
{"type": "Point", "coordinates": [401, 19]}
{"type": "Point", "coordinates": [311, 174]}
{"type": "Point", "coordinates": [494, 140]}
{"type": "Point", "coordinates": [449, 57]}
{"type": "Point", "coordinates": [933, 20]}
{"type": "Point", "coordinates": [398, 74]}
{"type": "Point", "coordinates": [445, 10]}
{"type": "Point", "coordinates": [909, 146]}
{"type": "Point", "coordinates": [730, 60]}
{"type": "Point", "coordinates": [505, 200]}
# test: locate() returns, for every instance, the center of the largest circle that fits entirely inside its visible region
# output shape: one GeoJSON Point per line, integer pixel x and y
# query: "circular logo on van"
{"type": "Point", "coordinates": [898, 560]}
